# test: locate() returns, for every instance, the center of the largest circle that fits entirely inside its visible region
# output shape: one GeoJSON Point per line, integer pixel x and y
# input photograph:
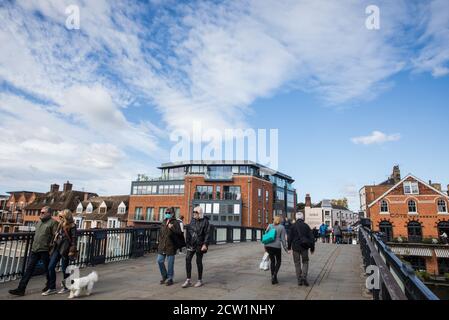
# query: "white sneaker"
{"type": "Point", "coordinates": [63, 290]}
{"type": "Point", "coordinates": [49, 292]}
{"type": "Point", "coordinates": [186, 284]}
{"type": "Point", "coordinates": [198, 284]}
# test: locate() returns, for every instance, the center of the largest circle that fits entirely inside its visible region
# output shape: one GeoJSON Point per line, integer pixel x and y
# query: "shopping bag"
{"type": "Point", "coordinates": [264, 265]}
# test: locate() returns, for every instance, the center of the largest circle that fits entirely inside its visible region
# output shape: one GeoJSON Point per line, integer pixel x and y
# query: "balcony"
{"type": "Point", "coordinates": [218, 176]}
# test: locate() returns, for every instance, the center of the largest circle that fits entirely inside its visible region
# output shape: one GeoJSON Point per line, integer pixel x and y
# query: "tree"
{"type": "Point", "coordinates": [340, 202]}
{"type": "Point", "coordinates": [300, 206]}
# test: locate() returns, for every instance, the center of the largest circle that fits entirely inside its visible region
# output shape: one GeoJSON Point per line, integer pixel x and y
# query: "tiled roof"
{"type": "Point", "coordinates": [58, 200]}
{"type": "Point", "coordinates": [112, 203]}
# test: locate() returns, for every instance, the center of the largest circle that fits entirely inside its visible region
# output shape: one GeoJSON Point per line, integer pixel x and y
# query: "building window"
{"type": "Point", "coordinates": [417, 263]}
{"type": "Point", "coordinates": [204, 192]}
{"type": "Point", "coordinates": [442, 206]}
{"type": "Point", "coordinates": [121, 208]}
{"type": "Point", "coordinates": [79, 209]}
{"type": "Point", "coordinates": [387, 229]}
{"type": "Point", "coordinates": [259, 194]}
{"type": "Point", "coordinates": [162, 213]}
{"type": "Point", "coordinates": [443, 227]}
{"type": "Point", "coordinates": [267, 195]}
{"type": "Point", "coordinates": [231, 192]}
{"type": "Point", "coordinates": [259, 216]}
{"type": "Point", "coordinates": [412, 206]}
{"type": "Point", "coordinates": [384, 206]}
{"type": "Point", "coordinates": [138, 213]}
{"type": "Point", "coordinates": [411, 187]}
{"type": "Point", "coordinates": [149, 215]}
{"type": "Point", "coordinates": [414, 231]}
{"type": "Point", "coordinates": [103, 209]}
{"type": "Point", "coordinates": [217, 192]}
{"type": "Point", "coordinates": [89, 208]}
{"type": "Point", "coordinates": [266, 216]}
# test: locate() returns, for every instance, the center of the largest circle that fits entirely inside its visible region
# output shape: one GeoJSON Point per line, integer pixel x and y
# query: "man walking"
{"type": "Point", "coordinates": [300, 239]}
{"type": "Point", "coordinates": [323, 232]}
{"type": "Point", "coordinates": [43, 236]}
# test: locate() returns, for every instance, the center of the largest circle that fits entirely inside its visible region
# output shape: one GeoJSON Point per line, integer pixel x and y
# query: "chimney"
{"type": "Point", "coordinates": [448, 189]}
{"type": "Point", "coordinates": [54, 187]}
{"type": "Point", "coordinates": [308, 201]}
{"type": "Point", "coordinates": [86, 196]}
{"type": "Point", "coordinates": [396, 175]}
{"type": "Point", "coordinates": [436, 186]}
{"type": "Point", "coordinates": [68, 186]}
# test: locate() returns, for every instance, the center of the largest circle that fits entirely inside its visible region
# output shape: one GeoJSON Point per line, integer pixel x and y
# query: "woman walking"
{"type": "Point", "coordinates": [274, 248]}
{"type": "Point", "coordinates": [64, 247]}
{"type": "Point", "coordinates": [197, 241]}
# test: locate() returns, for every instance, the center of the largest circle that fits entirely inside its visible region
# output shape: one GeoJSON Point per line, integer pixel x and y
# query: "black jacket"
{"type": "Point", "coordinates": [65, 240]}
{"type": "Point", "coordinates": [197, 233]}
{"type": "Point", "coordinates": [300, 237]}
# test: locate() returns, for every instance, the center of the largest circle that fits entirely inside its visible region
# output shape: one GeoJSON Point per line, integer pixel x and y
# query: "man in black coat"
{"type": "Point", "coordinates": [300, 239]}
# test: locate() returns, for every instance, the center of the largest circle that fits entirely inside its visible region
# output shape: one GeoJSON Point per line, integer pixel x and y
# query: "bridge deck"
{"type": "Point", "coordinates": [230, 272]}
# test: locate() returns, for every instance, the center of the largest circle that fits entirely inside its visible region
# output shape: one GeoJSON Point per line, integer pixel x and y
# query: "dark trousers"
{"type": "Point", "coordinates": [301, 257]}
{"type": "Point", "coordinates": [275, 259]}
{"type": "Point", "coordinates": [54, 259]}
{"type": "Point", "coordinates": [33, 259]}
{"type": "Point", "coordinates": [199, 263]}
{"type": "Point", "coordinates": [338, 239]}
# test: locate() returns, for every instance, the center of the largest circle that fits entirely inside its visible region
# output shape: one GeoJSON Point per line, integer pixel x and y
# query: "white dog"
{"type": "Point", "coordinates": [83, 286]}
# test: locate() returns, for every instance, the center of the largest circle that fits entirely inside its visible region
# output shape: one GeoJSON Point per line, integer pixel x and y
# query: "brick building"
{"type": "Point", "coordinates": [240, 193]}
{"type": "Point", "coordinates": [102, 212]}
{"type": "Point", "coordinates": [413, 214]}
{"type": "Point", "coordinates": [56, 200]}
{"type": "Point", "coordinates": [13, 209]}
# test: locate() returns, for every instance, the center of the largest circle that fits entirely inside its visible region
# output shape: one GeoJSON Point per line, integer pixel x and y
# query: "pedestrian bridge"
{"type": "Point", "coordinates": [231, 271]}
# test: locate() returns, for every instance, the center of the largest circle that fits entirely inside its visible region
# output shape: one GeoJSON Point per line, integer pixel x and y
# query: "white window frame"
{"type": "Point", "coordinates": [80, 206]}
{"type": "Point", "coordinates": [236, 208]}
{"type": "Point", "coordinates": [410, 185]}
{"type": "Point", "coordinates": [445, 206]}
{"type": "Point", "coordinates": [89, 208]}
{"type": "Point", "coordinates": [121, 208]}
{"type": "Point", "coordinates": [408, 207]}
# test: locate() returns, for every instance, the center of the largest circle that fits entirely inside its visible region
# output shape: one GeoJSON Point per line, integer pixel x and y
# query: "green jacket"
{"type": "Point", "coordinates": [43, 236]}
{"type": "Point", "coordinates": [166, 245]}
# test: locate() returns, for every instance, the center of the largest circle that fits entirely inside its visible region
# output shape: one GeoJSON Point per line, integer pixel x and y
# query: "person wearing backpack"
{"type": "Point", "coordinates": [301, 239]}
{"type": "Point", "coordinates": [274, 248]}
{"type": "Point", "coordinates": [197, 242]}
{"type": "Point", "coordinates": [169, 233]}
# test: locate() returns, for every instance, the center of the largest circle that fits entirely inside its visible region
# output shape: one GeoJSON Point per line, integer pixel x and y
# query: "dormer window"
{"type": "Point", "coordinates": [121, 208]}
{"type": "Point", "coordinates": [103, 208]}
{"type": "Point", "coordinates": [80, 208]}
{"type": "Point", "coordinates": [89, 208]}
{"type": "Point", "coordinates": [411, 187]}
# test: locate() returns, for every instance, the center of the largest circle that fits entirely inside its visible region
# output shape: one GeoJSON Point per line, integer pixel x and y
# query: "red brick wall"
{"type": "Point", "coordinates": [398, 214]}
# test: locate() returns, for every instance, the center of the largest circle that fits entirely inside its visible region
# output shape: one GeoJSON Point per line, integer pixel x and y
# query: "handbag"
{"type": "Point", "coordinates": [269, 236]}
{"type": "Point", "coordinates": [73, 251]}
{"type": "Point", "coordinates": [264, 265]}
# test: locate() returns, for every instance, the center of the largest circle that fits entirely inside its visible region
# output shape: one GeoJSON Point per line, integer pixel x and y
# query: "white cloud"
{"type": "Point", "coordinates": [376, 137]}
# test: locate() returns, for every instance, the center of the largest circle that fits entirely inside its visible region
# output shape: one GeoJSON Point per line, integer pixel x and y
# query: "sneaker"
{"type": "Point", "coordinates": [162, 281]}
{"type": "Point", "coordinates": [169, 282]}
{"type": "Point", "coordinates": [17, 292]}
{"type": "Point", "coordinates": [198, 284]}
{"type": "Point", "coordinates": [45, 289]}
{"type": "Point", "coordinates": [186, 284]}
{"type": "Point", "coordinates": [49, 292]}
{"type": "Point", "coordinates": [63, 290]}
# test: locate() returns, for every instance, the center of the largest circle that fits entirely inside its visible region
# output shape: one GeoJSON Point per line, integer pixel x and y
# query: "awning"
{"type": "Point", "coordinates": [442, 253]}
{"type": "Point", "coordinates": [410, 251]}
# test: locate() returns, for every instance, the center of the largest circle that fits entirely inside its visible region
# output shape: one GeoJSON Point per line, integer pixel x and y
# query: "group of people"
{"type": "Point", "coordinates": [328, 235]}
{"type": "Point", "coordinates": [298, 241]}
{"type": "Point", "coordinates": [173, 236]}
{"type": "Point", "coordinates": [53, 242]}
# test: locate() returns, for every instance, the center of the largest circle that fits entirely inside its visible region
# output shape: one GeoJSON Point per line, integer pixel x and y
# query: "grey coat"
{"type": "Point", "coordinates": [280, 238]}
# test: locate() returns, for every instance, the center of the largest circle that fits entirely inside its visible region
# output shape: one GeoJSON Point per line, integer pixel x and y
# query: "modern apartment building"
{"type": "Point", "coordinates": [238, 193]}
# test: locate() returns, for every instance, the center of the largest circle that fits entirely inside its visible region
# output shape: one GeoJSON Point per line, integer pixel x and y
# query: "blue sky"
{"type": "Point", "coordinates": [97, 105]}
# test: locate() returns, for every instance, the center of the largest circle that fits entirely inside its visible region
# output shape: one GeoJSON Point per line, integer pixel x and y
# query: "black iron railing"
{"type": "Point", "coordinates": [98, 246]}
{"type": "Point", "coordinates": [397, 280]}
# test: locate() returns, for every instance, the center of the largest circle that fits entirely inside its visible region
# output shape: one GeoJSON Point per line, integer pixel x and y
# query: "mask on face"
{"type": "Point", "coordinates": [167, 216]}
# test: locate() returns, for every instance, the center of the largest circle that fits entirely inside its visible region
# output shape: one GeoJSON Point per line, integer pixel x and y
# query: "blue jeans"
{"type": "Point", "coordinates": [54, 259]}
{"type": "Point", "coordinates": [171, 266]}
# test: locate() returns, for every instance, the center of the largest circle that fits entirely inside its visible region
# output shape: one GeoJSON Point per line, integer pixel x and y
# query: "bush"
{"type": "Point", "coordinates": [423, 275]}
{"type": "Point", "coordinates": [446, 276]}
{"type": "Point", "coordinates": [427, 240]}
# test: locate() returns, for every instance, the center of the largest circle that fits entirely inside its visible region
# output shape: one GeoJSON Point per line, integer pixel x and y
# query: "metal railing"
{"type": "Point", "coordinates": [397, 280]}
{"type": "Point", "coordinates": [98, 246]}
